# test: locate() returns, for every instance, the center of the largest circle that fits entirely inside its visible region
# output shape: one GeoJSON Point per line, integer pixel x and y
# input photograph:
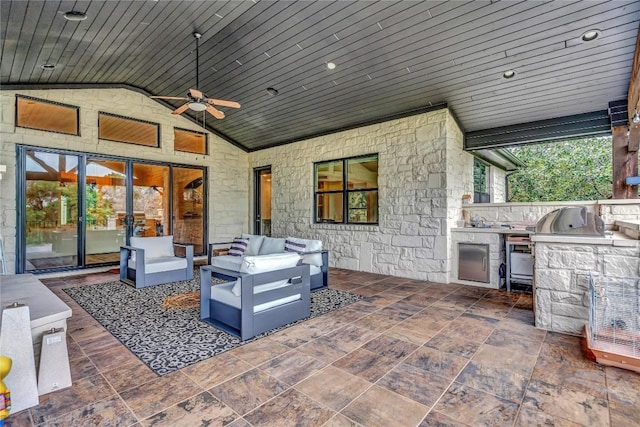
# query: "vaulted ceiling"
{"type": "Point", "coordinates": [392, 58]}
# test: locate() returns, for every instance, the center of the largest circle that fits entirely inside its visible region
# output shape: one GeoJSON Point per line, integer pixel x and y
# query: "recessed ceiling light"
{"type": "Point", "coordinates": [509, 74]}
{"type": "Point", "coordinates": [272, 91]}
{"type": "Point", "coordinates": [47, 66]}
{"type": "Point", "coordinates": [331, 65]}
{"type": "Point", "coordinates": [590, 35]}
{"type": "Point", "coordinates": [74, 15]}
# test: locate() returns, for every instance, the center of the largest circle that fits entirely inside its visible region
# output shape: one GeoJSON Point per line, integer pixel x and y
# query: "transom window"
{"type": "Point", "coordinates": [112, 127]}
{"type": "Point", "coordinates": [355, 202]}
{"type": "Point", "coordinates": [46, 115]}
{"type": "Point", "coordinates": [190, 141]}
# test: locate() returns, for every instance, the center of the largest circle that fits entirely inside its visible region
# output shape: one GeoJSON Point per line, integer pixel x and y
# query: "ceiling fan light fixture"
{"type": "Point", "coordinates": [197, 106]}
{"type": "Point", "coordinates": [590, 35]}
{"type": "Point", "coordinates": [509, 74]}
{"type": "Point", "coordinates": [74, 15]}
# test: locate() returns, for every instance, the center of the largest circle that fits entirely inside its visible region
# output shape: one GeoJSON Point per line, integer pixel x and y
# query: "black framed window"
{"type": "Point", "coordinates": [190, 141]}
{"type": "Point", "coordinates": [41, 114]}
{"type": "Point", "coordinates": [346, 190]}
{"type": "Point", "coordinates": [112, 127]}
{"type": "Point", "coordinates": [481, 182]}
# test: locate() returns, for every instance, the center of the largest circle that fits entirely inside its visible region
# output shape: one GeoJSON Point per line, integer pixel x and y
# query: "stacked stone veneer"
{"type": "Point", "coordinates": [422, 174]}
{"type": "Point", "coordinates": [609, 210]}
{"type": "Point", "coordinates": [228, 189]}
{"type": "Point", "coordinates": [562, 279]}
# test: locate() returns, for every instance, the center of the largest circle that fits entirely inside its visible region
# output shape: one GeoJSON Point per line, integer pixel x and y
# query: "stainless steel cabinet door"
{"type": "Point", "coordinates": [473, 262]}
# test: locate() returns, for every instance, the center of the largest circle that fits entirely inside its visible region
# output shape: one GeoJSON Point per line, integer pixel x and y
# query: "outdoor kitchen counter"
{"type": "Point", "coordinates": [498, 230]}
{"type": "Point", "coordinates": [615, 239]}
{"type": "Point", "coordinates": [494, 238]}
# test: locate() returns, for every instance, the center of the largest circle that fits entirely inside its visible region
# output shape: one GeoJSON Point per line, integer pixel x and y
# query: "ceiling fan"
{"type": "Point", "coordinates": [198, 101]}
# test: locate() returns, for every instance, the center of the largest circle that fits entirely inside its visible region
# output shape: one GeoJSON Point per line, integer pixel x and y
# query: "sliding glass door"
{"type": "Point", "coordinates": [262, 201]}
{"type": "Point", "coordinates": [105, 207]}
{"type": "Point", "coordinates": [51, 206]}
{"type": "Point", "coordinates": [188, 207]}
{"type": "Point", "coordinates": [78, 209]}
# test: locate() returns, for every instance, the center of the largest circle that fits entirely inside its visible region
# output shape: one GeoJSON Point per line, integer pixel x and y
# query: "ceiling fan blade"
{"type": "Point", "coordinates": [215, 112]}
{"type": "Point", "coordinates": [168, 97]}
{"type": "Point", "coordinates": [181, 109]}
{"type": "Point", "coordinates": [196, 93]}
{"type": "Point", "coordinates": [223, 103]}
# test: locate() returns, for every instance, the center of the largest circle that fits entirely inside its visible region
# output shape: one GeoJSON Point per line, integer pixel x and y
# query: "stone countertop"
{"type": "Point", "coordinates": [615, 239]}
{"type": "Point", "coordinates": [498, 230]}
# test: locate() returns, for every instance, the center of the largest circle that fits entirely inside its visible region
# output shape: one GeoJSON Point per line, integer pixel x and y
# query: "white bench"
{"type": "Point", "coordinates": [47, 312]}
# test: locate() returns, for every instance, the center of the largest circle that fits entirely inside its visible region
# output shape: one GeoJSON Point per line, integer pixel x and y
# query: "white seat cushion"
{"type": "Point", "coordinates": [223, 294]}
{"type": "Point", "coordinates": [228, 262]}
{"type": "Point", "coordinates": [160, 264]}
{"type": "Point", "coordinates": [266, 263]}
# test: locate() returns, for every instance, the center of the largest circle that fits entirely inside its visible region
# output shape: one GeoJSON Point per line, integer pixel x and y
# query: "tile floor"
{"type": "Point", "coordinates": [411, 354]}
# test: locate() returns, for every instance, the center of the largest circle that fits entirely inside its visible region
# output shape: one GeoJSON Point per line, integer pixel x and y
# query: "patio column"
{"type": "Point", "coordinates": [625, 163]}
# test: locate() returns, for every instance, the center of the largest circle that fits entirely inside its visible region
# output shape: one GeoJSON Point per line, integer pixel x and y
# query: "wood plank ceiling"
{"type": "Point", "coordinates": [392, 57]}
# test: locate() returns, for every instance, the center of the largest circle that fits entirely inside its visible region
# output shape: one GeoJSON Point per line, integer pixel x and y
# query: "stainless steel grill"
{"type": "Point", "coordinates": [574, 220]}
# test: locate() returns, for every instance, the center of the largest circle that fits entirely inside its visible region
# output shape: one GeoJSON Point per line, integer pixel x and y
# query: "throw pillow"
{"type": "Point", "coordinates": [238, 247]}
{"type": "Point", "coordinates": [291, 246]}
{"type": "Point", "coordinates": [309, 246]}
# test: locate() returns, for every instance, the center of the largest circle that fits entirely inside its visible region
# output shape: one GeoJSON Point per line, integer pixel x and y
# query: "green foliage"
{"type": "Point", "coordinates": [562, 171]}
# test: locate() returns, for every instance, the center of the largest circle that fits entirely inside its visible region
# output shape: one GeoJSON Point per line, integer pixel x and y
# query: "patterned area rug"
{"type": "Point", "coordinates": [163, 335]}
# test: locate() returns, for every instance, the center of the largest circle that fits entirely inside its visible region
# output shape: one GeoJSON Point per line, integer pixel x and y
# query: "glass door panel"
{"type": "Point", "coordinates": [105, 210]}
{"type": "Point", "coordinates": [51, 210]}
{"type": "Point", "coordinates": [188, 207]}
{"type": "Point", "coordinates": [150, 200]}
{"type": "Point", "coordinates": [263, 201]}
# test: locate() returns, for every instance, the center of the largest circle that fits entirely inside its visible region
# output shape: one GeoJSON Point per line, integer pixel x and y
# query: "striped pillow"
{"type": "Point", "coordinates": [291, 246]}
{"type": "Point", "coordinates": [238, 247]}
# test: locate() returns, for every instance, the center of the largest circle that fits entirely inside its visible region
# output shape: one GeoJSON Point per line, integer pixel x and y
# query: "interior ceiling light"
{"type": "Point", "coordinates": [272, 91]}
{"type": "Point", "coordinates": [74, 15]}
{"type": "Point", "coordinates": [197, 106]}
{"type": "Point", "coordinates": [47, 66]}
{"type": "Point", "coordinates": [331, 65]}
{"type": "Point", "coordinates": [509, 74]}
{"type": "Point", "coordinates": [590, 35]}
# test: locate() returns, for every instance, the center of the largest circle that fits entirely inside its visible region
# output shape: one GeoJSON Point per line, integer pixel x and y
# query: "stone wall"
{"type": "Point", "coordinates": [228, 189]}
{"type": "Point", "coordinates": [562, 278]}
{"type": "Point", "coordinates": [497, 185]}
{"type": "Point", "coordinates": [422, 174]}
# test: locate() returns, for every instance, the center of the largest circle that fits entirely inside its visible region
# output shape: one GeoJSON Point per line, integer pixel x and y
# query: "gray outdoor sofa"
{"type": "Point", "coordinates": [263, 295]}
{"type": "Point", "coordinates": [311, 251]}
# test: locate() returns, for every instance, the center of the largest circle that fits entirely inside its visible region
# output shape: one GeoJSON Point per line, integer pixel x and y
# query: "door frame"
{"type": "Point", "coordinates": [257, 198]}
{"type": "Point", "coordinates": [21, 237]}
